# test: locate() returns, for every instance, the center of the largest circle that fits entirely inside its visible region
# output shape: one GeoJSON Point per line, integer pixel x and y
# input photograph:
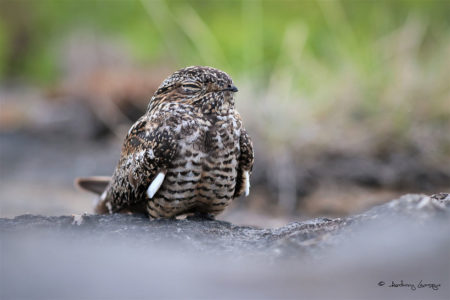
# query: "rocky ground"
{"type": "Point", "coordinates": [396, 250]}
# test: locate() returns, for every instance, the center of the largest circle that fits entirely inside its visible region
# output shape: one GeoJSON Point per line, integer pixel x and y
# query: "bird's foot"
{"type": "Point", "coordinates": [201, 216]}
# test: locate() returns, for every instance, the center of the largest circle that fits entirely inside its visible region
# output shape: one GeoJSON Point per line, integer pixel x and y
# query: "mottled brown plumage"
{"type": "Point", "coordinates": [189, 152]}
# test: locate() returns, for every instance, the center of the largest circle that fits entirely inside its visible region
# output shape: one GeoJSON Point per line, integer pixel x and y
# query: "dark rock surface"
{"type": "Point", "coordinates": [126, 256]}
{"type": "Point", "coordinates": [215, 236]}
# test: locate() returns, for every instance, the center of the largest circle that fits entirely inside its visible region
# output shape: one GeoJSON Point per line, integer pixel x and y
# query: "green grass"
{"type": "Point", "coordinates": [349, 70]}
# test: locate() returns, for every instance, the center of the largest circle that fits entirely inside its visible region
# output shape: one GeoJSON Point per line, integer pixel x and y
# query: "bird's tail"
{"type": "Point", "coordinates": [96, 185]}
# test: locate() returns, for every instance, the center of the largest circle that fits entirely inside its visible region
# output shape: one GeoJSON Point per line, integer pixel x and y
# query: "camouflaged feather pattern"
{"type": "Point", "coordinates": [192, 134]}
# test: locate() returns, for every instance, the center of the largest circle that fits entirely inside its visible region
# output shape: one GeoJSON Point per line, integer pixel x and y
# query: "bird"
{"type": "Point", "coordinates": [189, 154]}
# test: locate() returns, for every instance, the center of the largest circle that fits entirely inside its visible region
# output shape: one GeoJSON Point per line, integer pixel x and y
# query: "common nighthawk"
{"type": "Point", "coordinates": [189, 152]}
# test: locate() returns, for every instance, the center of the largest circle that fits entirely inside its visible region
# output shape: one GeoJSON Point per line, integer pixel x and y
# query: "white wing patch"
{"type": "Point", "coordinates": [99, 199]}
{"type": "Point", "coordinates": [247, 183]}
{"type": "Point", "coordinates": [155, 185]}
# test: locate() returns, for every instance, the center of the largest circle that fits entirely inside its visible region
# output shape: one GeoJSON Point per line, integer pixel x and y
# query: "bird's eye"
{"type": "Point", "coordinates": [190, 88]}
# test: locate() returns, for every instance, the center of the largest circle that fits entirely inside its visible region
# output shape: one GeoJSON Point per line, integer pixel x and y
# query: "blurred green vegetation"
{"type": "Point", "coordinates": [318, 81]}
{"type": "Point", "coordinates": [360, 69]}
{"type": "Point", "coordinates": [253, 37]}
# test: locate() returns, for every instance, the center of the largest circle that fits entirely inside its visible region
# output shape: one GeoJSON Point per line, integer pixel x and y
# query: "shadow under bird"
{"type": "Point", "coordinates": [188, 154]}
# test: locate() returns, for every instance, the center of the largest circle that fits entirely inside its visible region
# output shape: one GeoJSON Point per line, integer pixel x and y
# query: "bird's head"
{"type": "Point", "coordinates": [205, 87]}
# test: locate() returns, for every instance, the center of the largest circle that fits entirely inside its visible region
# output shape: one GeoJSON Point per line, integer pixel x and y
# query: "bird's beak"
{"type": "Point", "coordinates": [231, 88]}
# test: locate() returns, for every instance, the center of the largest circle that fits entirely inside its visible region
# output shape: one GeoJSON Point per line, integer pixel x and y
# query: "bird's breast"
{"type": "Point", "coordinates": [203, 174]}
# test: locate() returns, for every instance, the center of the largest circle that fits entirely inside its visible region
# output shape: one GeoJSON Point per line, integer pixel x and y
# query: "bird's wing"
{"type": "Point", "coordinates": [148, 150]}
{"type": "Point", "coordinates": [245, 165]}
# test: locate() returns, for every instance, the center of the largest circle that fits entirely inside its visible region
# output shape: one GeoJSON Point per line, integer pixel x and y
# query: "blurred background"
{"type": "Point", "coordinates": [347, 102]}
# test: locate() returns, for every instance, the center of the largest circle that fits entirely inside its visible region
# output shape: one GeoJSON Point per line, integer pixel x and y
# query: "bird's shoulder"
{"type": "Point", "coordinates": [149, 133]}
